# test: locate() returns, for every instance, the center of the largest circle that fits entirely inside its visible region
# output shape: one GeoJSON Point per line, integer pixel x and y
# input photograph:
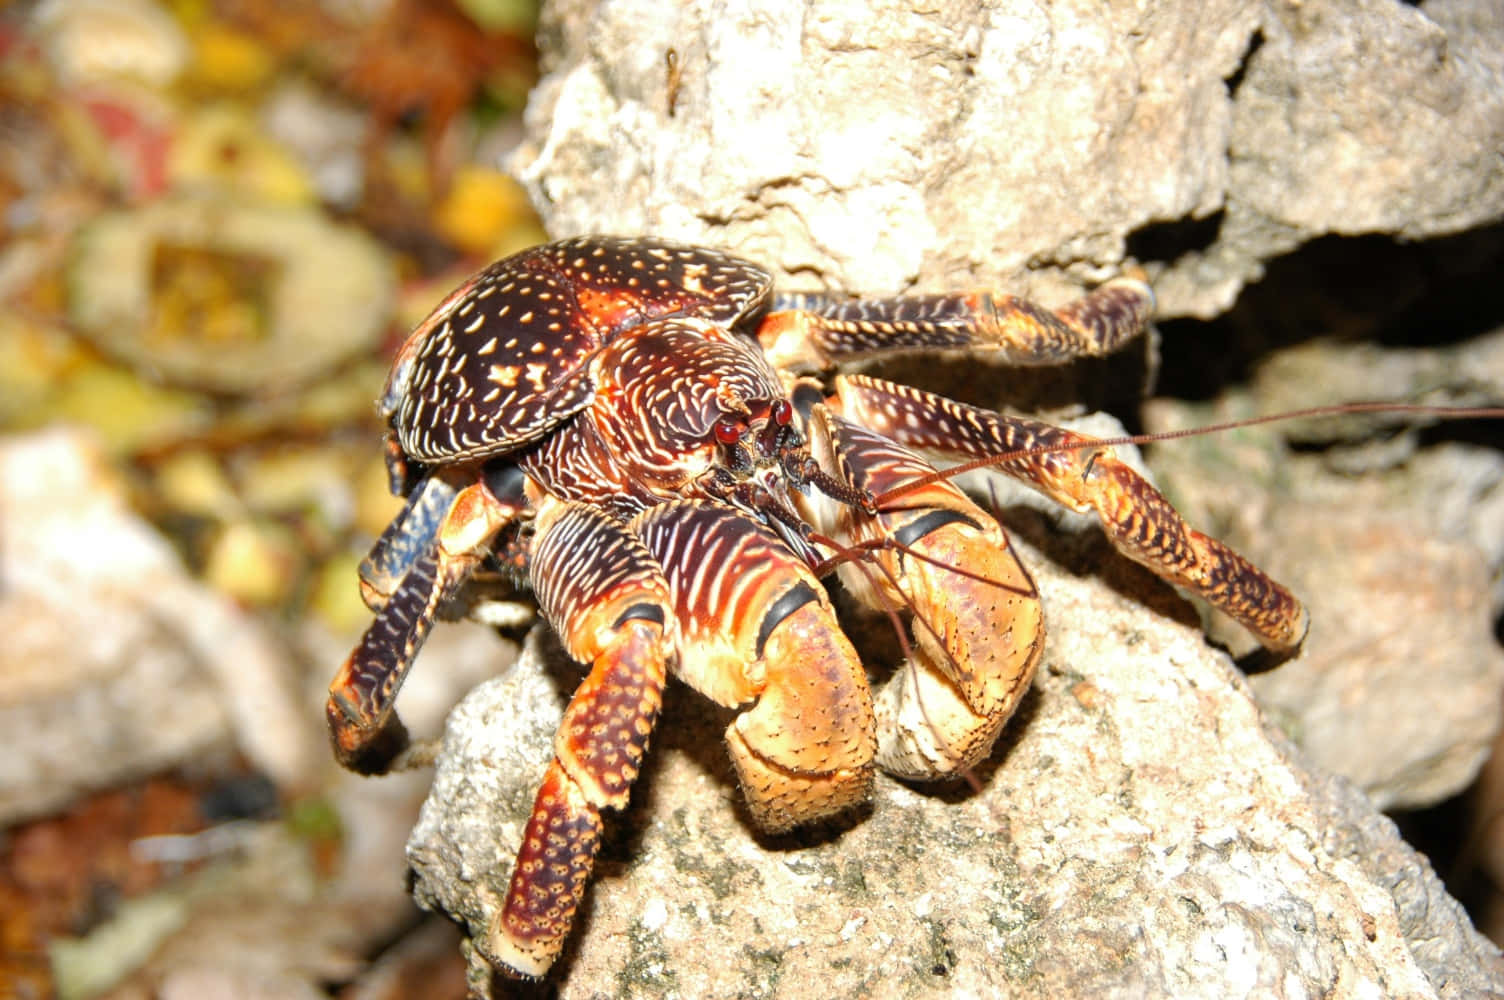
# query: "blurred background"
{"type": "Point", "coordinates": [220, 218]}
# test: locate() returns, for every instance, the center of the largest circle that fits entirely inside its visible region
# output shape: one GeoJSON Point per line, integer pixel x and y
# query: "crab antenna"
{"type": "Point", "coordinates": [855, 553]}
{"type": "Point", "coordinates": [1335, 410]}
{"type": "Point", "coordinates": [858, 556]}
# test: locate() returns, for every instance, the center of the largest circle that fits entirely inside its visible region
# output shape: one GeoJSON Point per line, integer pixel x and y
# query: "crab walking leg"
{"type": "Point", "coordinates": [805, 332]}
{"type": "Point", "coordinates": [405, 541]}
{"type": "Point", "coordinates": [978, 629]}
{"type": "Point", "coordinates": [364, 728]}
{"type": "Point", "coordinates": [755, 625]}
{"type": "Point", "coordinates": [607, 599]}
{"type": "Point", "coordinates": [1137, 518]}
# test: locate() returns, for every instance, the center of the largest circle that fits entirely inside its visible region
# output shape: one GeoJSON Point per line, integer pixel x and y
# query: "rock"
{"type": "Point", "coordinates": [1396, 548]}
{"type": "Point", "coordinates": [1144, 830]}
{"type": "Point", "coordinates": [1140, 832]}
{"type": "Point", "coordinates": [878, 146]}
{"type": "Point", "coordinates": [116, 664]}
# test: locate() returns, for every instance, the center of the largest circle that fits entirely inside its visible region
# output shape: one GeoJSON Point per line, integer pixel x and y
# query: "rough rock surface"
{"type": "Point", "coordinates": [882, 147]}
{"type": "Point", "coordinates": [1394, 546]}
{"type": "Point", "coordinates": [1141, 832]}
{"type": "Point", "coordinates": [1144, 831]}
{"type": "Point", "coordinates": [877, 146]}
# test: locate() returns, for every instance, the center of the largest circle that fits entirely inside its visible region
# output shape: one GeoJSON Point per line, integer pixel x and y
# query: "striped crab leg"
{"type": "Point", "coordinates": [813, 331]}
{"type": "Point", "coordinates": [413, 568]}
{"type": "Point", "coordinates": [607, 599]}
{"type": "Point", "coordinates": [701, 587]}
{"type": "Point", "coordinates": [1086, 478]}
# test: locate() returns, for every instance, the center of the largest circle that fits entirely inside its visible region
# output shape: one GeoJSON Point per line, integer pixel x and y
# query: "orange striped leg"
{"type": "Point", "coordinates": [755, 626]}
{"type": "Point", "coordinates": [603, 593]}
{"type": "Point", "coordinates": [1137, 518]}
{"type": "Point", "coordinates": [363, 725]}
{"type": "Point", "coordinates": [805, 332]}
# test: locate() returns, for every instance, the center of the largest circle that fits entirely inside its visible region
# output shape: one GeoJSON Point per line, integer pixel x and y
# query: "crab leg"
{"type": "Point", "coordinates": [1137, 517]}
{"type": "Point", "coordinates": [812, 332]}
{"type": "Point", "coordinates": [405, 541]}
{"type": "Point", "coordinates": [756, 626]}
{"type": "Point", "coordinates": [978, 632]}
{"type": "Point", "coordinates": [433, 562]}
{"type": "Point", "coordinates": [608, 601]}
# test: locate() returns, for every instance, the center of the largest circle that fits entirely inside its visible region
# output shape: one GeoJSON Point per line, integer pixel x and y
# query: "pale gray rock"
{"type": "Point", "coordinates": [1140, 832]}
{"type": "Point", "coordinates": [1144, 831]}
{"type": "Point", "coordinates": [882, 146]}
{"type": "Point", "coordinates": [115, 663]}
{"type": "Point", "coordinates": [1397, 550]}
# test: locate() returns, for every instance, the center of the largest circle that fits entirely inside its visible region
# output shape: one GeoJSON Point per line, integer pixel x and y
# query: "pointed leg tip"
{"type": "Point", "coordinates": [1287, 645]}
{"type": "Point", "coordinates": [359, 747]}
{"type": "Point", "coordinates": [528, 961]}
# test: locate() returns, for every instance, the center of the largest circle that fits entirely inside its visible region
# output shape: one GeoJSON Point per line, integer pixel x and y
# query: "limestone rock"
{"type": "Point", "coordinates": [1397, 550]}
{"type": "Point", "coordinates": [1140, 832]}
{"type": "Point", "coordinates": [881, 146]}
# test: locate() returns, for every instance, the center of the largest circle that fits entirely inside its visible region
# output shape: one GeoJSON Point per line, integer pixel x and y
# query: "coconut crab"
{"type": "Point", "coordinates": [661, 447]}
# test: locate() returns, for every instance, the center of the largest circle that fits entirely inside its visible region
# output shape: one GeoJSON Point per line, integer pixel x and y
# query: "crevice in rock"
{"type": "Point", "coordinates": [1428, 293]}
{"type": "Point", "coordinates": [1169, 241]}
{"type": "Point", "coordinates": [1234, 80]}
{"type": "Point", "coordinates": [1440, 833]}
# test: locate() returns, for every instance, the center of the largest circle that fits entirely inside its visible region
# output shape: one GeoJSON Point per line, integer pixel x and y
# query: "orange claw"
{"type": "Point", "coordinates": [805, 749]}
{"type": "Point", "coordinates": [978, 633]}
{"type": "Point", "coordinates": [755, 627]}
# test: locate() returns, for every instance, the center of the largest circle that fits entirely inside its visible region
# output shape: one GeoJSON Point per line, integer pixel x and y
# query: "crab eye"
{"type": "Point", "coordinates": [728, 431]}
{"type": "Point", "coordinates": [783, 412]}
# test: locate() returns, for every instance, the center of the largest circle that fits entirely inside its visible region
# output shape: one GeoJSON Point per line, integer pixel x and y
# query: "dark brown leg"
{"type": "Point", "coordinates": [365, 730]}
{"type": "Point", "coordinates": [409, 537]}
{"type": "Point", "coordinates": [1084, 477]}
{"type": "Point", "coordinates": [812, 332]}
